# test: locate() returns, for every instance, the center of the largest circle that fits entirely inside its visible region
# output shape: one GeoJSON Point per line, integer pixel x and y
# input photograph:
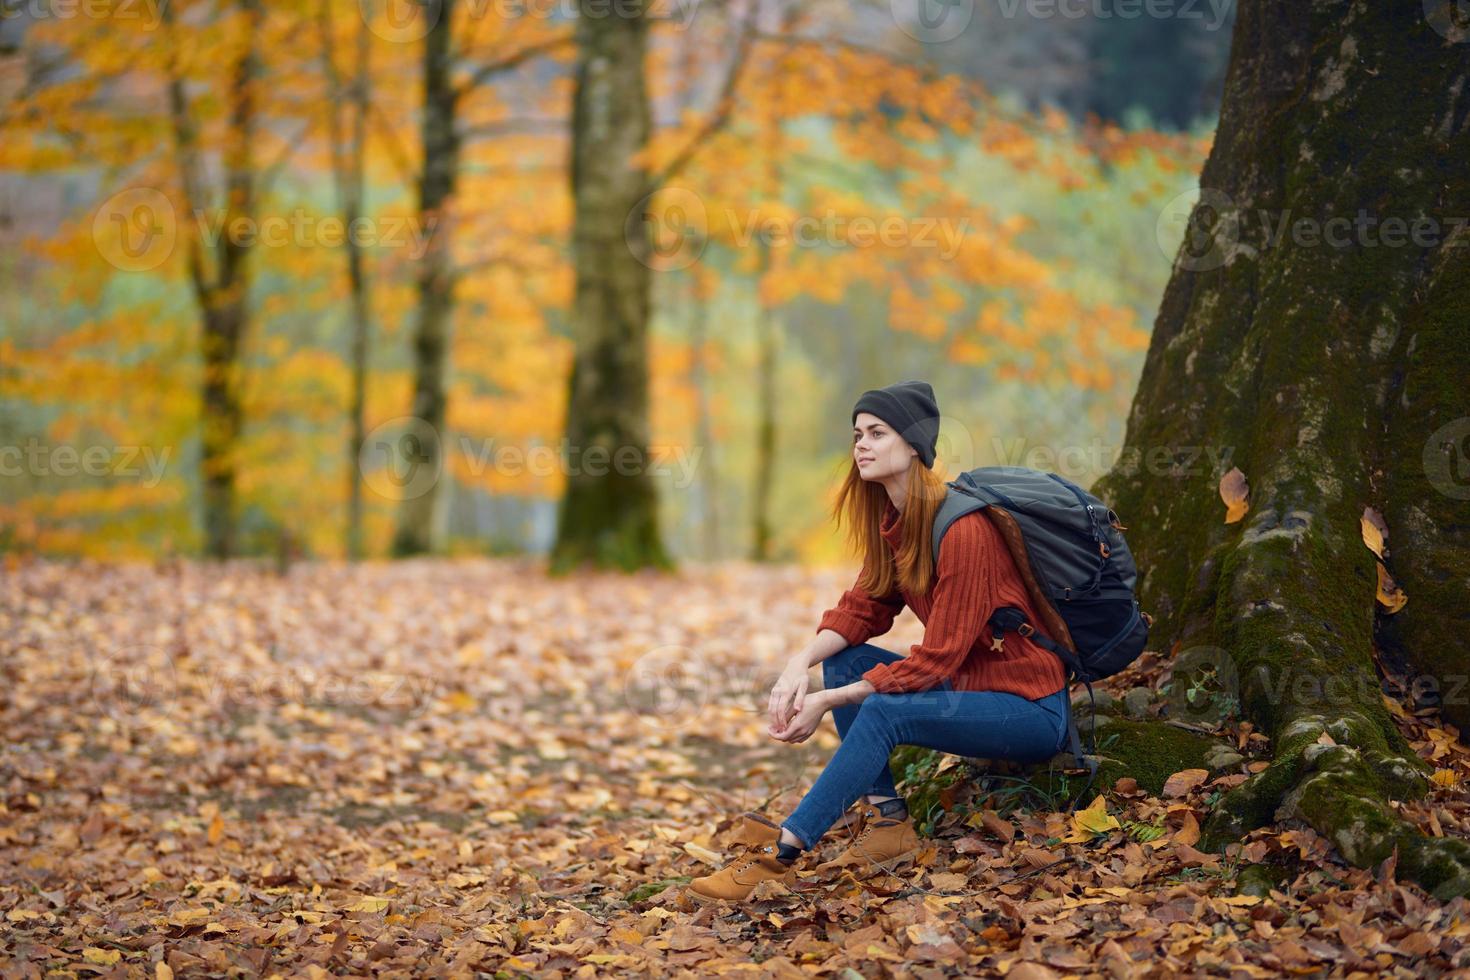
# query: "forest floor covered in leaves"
{"type": "Point", "coordinates": [461, 766]}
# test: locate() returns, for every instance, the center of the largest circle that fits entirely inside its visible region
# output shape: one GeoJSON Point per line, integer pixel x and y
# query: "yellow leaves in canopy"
{"type": "Point", "coordinates": [928, 315]}
{"type": "Point", "coordinates": [70, 505]}
{"type": "Point", "coordinates": [307, 382]}
{"type": "Point", "coordinates": [1055, 120]}
{"type": "Point", "coordinates": [963, 351]}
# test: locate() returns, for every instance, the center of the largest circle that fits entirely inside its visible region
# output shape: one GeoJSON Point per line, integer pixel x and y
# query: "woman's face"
{"type": "Point", "coordinates": [877, 449]}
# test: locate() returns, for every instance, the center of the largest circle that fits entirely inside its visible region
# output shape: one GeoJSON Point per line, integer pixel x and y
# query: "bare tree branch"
{"type": "Point", "coordinates": [510, 62]}
{"type": "Point", "coordinates": [719, 116]}
{"type": "Point", "coordinates": [502, 127]}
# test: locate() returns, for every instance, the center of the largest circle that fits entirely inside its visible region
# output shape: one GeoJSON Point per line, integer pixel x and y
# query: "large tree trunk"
{"type": "Point", "coordinates": [609, 513]}
{"type": "Point", "coordinates": [1330, 372]}
{"type": "Point", "coordinates": [417, 512]}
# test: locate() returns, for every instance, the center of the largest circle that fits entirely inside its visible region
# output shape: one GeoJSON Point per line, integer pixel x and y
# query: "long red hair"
{"type": "Point", "coordinates": [863, 503]}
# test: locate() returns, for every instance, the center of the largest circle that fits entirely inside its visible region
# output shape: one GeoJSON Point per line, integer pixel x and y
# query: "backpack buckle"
{"type": "Point", "coordinates": [1025, 629]}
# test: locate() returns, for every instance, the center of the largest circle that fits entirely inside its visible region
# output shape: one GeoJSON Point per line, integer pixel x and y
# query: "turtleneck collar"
{"type": "Point", "coordinates": [889, 526]}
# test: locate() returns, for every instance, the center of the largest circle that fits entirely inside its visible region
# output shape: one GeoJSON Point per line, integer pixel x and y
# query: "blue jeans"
{"type": "Point", "coordinates": [982, 724]}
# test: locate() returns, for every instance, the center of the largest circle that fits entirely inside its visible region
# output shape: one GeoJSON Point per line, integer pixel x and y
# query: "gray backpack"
{"type": "Point", "coordinates": [1069, 549]}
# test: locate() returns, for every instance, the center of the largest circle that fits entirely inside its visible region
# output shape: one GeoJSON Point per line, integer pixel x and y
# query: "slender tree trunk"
{"type": "Point", "coordinates": [768, 342]}
{"type": "Point", "coordinates": [417, 513]}
{"type": "Point", "coordinates": [347, 171]}
{"type": "Point", "coordinates": [609, 513]}
{"type": "Point", "coordinates": [220, 277]}
{"type": "Point", "coordinates": [1328, 367]}
{"type": "Point", "coordinates": [704, 437]}
{"type": "Point", "coordinates": [767, 332]}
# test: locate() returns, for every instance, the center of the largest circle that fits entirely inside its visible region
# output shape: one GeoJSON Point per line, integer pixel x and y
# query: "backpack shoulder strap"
{"type": "Point", "coordinates": [956, 505]}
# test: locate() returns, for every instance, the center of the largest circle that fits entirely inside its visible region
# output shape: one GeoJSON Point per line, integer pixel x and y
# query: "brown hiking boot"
{"type": "Point", "coordinates": [876, 840]}
{"type": "Point", "coordinates": [734, 882]}
{"type": "Point", "coordinates": [752, 827]}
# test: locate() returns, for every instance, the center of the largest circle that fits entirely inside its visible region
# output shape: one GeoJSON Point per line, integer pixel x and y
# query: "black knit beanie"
{"type": "Point", "coordinates": [909, 407]}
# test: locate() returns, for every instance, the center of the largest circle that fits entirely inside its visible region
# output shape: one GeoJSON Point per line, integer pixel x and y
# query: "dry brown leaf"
{"type": "Point", "coordinates": [1390, 596]}
{"type": "Point", "coordinates": [1189, 832]}
{"type": "Point", "coordinates": [1375, 531]}
{"type": "Point", "coordinates": [998, 825]}
{"type": "Point", "coordinates": [1235, 491]}
{"type": "Point", "coordinates": [1183, 781]}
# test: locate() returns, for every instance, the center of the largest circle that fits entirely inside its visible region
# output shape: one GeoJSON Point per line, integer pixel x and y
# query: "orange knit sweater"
{"type": "Point", "coordinates": [975, 575]}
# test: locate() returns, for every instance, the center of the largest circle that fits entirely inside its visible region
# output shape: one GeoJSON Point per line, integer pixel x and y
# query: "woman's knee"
{"type": "Point", "coordinates": [856, 660]}
{"type": "Point", "coordinates": [838, 667]}
{"type": "Point", "coordinates": [873, 712]}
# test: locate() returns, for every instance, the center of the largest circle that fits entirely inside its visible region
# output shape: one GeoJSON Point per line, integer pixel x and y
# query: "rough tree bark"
{"type": "Point", "coordinates": [1326, 359]}
{"type": "Point", "coordinates": [609, 512]}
